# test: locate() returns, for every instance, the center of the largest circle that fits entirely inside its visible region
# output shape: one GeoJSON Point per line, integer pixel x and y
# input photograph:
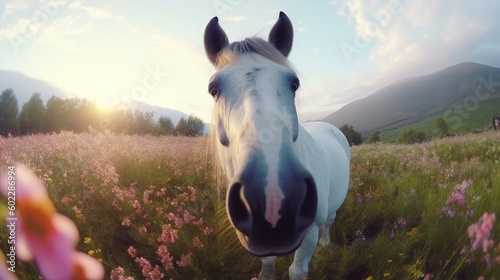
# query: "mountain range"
{"type": "Point", "coordinates": [456, 93]}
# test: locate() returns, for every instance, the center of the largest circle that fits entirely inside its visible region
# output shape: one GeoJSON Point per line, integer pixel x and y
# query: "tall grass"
{"type": "Point", "coordinates": [147, 208]}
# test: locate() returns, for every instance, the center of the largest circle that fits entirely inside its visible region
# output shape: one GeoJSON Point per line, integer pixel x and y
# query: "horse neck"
{"type": "Point", "coordinates": [305, 147]}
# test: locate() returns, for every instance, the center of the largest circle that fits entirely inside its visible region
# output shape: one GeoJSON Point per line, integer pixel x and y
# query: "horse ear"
{"type": "Point", "coordinates": [281, 35]}
{"type": "Point", "coordinates": [215, 39]}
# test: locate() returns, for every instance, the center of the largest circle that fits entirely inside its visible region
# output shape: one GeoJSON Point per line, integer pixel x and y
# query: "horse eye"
{"type": "Point", "coordinates": [213, 90]}
{"type": "Point", "coordinates": [295, 84]}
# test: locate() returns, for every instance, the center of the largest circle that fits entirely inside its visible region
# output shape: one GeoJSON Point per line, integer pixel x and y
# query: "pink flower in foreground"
{"type": "Point", "coordinates": [4, 272]}
{"type": "Point", "coordinates": [46, 236]}
{"type": "Point", "coordinates": [479, 233]}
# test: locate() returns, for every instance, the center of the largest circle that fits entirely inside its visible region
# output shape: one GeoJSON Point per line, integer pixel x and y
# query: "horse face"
{"type": "Point", "coordinates": [272, 197]}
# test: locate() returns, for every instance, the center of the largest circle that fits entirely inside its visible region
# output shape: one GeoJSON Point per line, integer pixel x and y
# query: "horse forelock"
{"type": "Point", "coordinates": [252, 45]}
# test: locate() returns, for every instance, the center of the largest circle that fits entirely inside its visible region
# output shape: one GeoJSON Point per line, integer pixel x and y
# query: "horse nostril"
{"type": "Point", "coordinates": [238, 208]}
{"type": "Point", "coordinates": [309, 206]}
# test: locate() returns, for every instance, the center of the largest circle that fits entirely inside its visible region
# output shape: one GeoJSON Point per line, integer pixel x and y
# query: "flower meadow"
{"type": "Point", "coordinates": [148, 207]}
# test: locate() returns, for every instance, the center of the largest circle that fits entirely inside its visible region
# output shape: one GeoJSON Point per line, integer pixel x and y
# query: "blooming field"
{"type": "Point", "coordinates": [147, 208]}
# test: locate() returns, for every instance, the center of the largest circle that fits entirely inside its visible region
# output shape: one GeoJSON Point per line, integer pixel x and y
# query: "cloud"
{"type": "Point", "coordinates": [234, 18]}
{"type": "Point", "coordinates": [15, 29]}
{"type": "Point", "coordinates": [94, 12]}
{"type": "Point", "coordinates": [13, 6]}
{"type": "Point", "coordinates": [410, 38]}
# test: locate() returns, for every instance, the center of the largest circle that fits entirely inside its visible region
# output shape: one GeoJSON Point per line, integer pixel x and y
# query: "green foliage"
{"type": "Point", "coordinates": [8, 113]}
{"type": "Point", "coordinates": [165, 126]}
{"type": "Point", "coordinates": [31, 118]}
{"type": "Point", "coordinates": [193, 126]}
{"type": "Point", "coordinates": [470, 121]}
{"type": "Point", "coordinates": [373, 138]}
{"type": "Point", "coordinates": [442, 126]}
{"type": "Point", "coordinates": [353, 137]}
{"type": "Point", "coordinates": [54, 114]}
{"type": "Point", "coordinates": [411, 136]}
{"type": "Point", "coordinates": [142, 123]}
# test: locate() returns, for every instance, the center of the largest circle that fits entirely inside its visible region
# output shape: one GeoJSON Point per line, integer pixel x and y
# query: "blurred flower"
{"type": "Point", "coordinates": [46, 236]}
{"type": "Point", "coordinates": [126, 222]}
{"type": "Point", "coordinates": [479, 233]}
{"type": "Point", "coordinates": [185, 259]}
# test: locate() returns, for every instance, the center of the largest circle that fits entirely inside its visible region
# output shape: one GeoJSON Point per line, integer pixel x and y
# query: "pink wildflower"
{"type": "Point", "coordinates": [208, 230]}
{"type": "Point", "coordinates": [145, 196]}
{"type": "Point", "coordinates": [155, 274]}
{"type": "Point", "coordinates": [131, 251]}
{"type": "Point", "coordinates": [76, 210]}
{"type": "Point", "coordinates": [479, 233]}
{"type": "Point", "coordinates": [197, 242]}
{"type": "Point", "coordinates": [457, 198]}
{"type": "Point", "coordinates": [142, 230]}
{"type": "Point", "coordinates": [192, 192]}
{"type": "Point", "coordinates": [117, 273]}
{"type": "Point", "coordinates": [166, 259]}
{"type": "Point", "coordinates": [188, 217]}
{"type": "Point", "coordinates": [126, 222]}
{"type": "Point", "coordinates": [145, 265]}
{"type": "Point", "coordinates": [168, 234]}
{"type": "Point", "coordinates": [137, 206]}
{"type": "Point", "coordinates": [65, 200]}
{"type": "Point", "coordinates": [185, 259]}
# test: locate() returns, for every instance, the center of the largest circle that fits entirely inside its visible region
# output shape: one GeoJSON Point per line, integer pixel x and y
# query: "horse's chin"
{"type": "Point", "coordinates": [266, 250]}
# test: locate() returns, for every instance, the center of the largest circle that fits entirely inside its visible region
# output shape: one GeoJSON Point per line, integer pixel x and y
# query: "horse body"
{"type": "Point", "coordinates": [286, 180]}
{"type": "Point", "coordinates": [324, 150]}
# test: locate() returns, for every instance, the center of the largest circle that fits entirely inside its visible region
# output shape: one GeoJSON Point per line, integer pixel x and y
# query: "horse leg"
{"type": "Point", "coordinates": [267, 272]}
{"type": "Point", "coordinates": [325, 234]}
{"type": "Point", "coordinates": [300, 265]}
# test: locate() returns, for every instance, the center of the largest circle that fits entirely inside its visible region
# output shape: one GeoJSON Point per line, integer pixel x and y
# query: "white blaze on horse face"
{"type": "Point", "coordinates": [273, 192]}
{"type": "Point", "coordinates": [257, 121]}
{"type": "Point", "coordinates": [274, 196]}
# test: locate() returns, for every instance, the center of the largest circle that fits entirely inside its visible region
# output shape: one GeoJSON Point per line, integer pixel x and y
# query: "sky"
{"type": "Point", "coordinates": [114, 51]}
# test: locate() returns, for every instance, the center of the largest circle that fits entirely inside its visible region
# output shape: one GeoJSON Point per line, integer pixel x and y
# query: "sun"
{"type": "Point", "coordinates": [104, 105]}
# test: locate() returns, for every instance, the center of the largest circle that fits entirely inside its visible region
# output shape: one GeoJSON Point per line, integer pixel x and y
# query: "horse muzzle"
{"type": "Point", "coordinates": [271, 216]}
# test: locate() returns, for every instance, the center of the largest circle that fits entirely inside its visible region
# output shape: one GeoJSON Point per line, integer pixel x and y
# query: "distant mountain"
{"type": "Point", "coordinates": [24, 86]}
{"type": "Point", "coordinates": [415, 99]}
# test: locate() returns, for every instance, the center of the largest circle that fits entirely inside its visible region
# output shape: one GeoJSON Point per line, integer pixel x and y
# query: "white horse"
{"type": "Point", "coordinates": [286, 180]}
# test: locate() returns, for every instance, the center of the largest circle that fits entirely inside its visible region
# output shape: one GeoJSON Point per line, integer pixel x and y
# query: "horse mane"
{"type": "Point", "coordinates": [251, 45]}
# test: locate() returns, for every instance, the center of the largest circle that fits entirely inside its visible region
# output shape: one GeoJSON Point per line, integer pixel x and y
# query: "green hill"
{"type": "Point", "coordinates": [466, 95]}
{"type": "Point", "coordinates": [479, 120]}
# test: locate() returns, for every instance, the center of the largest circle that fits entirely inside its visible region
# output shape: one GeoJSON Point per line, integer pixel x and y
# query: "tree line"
{"type": "Point", "coordinates": [81, 115]}
{"type": "Point", "coordinates": [408, 136]}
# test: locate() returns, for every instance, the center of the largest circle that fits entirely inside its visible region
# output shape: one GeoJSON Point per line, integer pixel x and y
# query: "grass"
{"type": "Point", "coordinates": [476, 120]}
{"type": "Point", "coordinates": [149, 206]}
